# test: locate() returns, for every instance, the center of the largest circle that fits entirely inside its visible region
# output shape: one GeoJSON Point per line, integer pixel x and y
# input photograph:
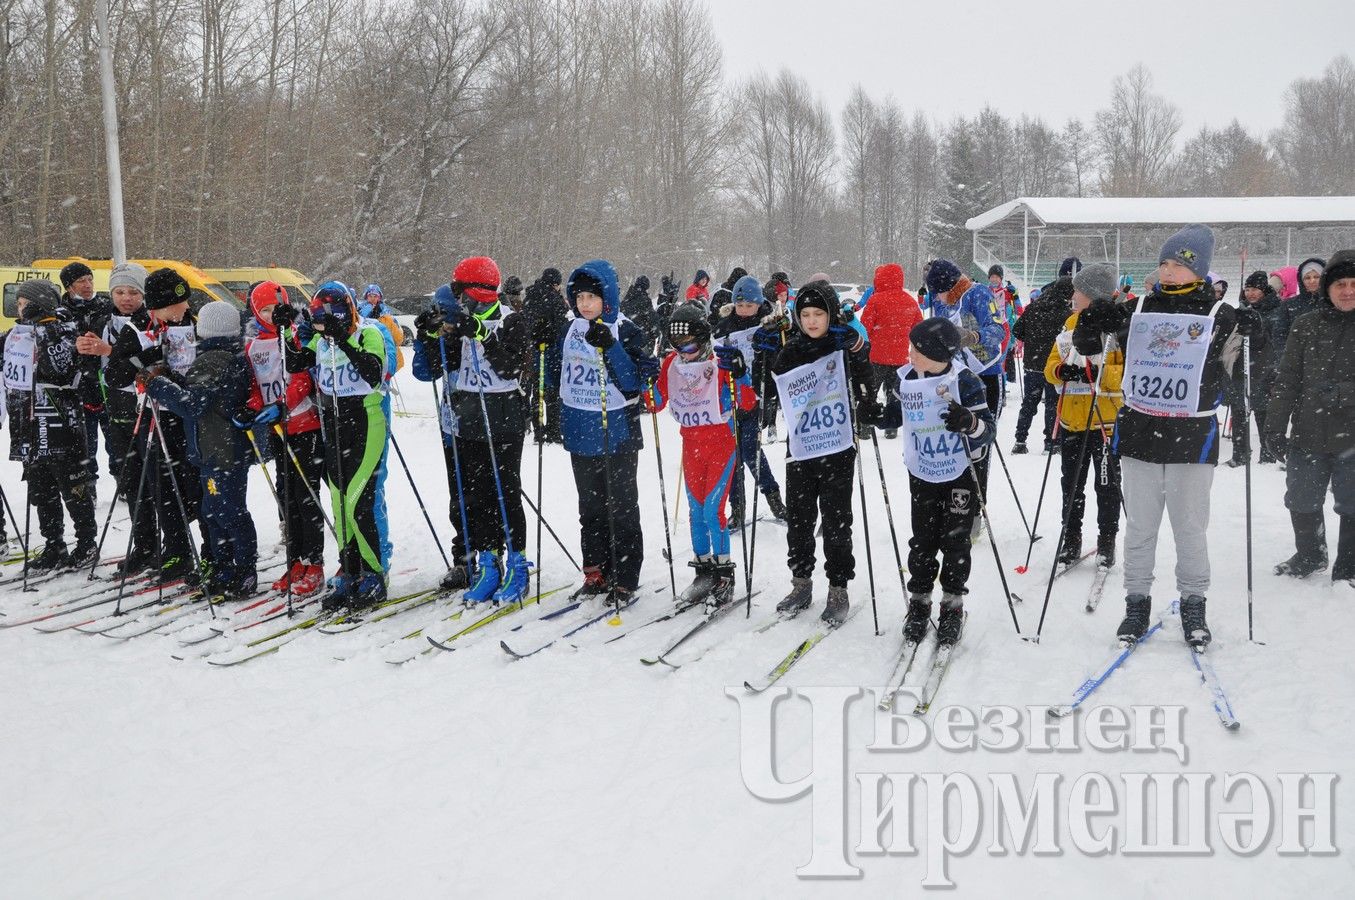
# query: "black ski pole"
{"type": "Point", "coordinates": [551, 531]}
{"type": "Point", "coordinates": [541, 452]}
{"type": "Point", "coordinates": [861, 487]}
{"type": "Point", "coordinates": [147, 460]}
{"type": "Point", "coordinates": [493, 463]}
{"type": "Point", "coordinates": [1044, 482]}
{"type": "Point", "coordinates": [301, 473]}
{"type": "Point", "coordinates": [663, 503]}
{"type": "Point", "coordinates": [423, 509]}
{"type": "Point", "coordinates": [178, 501]}
{"type": "Point", "coordinates": [280, 500]}
{"type": "Point", "coordinates": [1246, 423]}
{"type": "Point", "coordinates": [607, 485]}
{"type": "Point", "coordinates": [467, 548]}
{"type": "Point", "coordinates": [28, 535]}
{"type": "Point", "coordinates": [737, 473]}
{"type": "Point", "coordinates": [117, 485]}
{"type": "Point", "coordinates": [1030, 534]}
{"type": "Point", "coordinates": [889, 514]}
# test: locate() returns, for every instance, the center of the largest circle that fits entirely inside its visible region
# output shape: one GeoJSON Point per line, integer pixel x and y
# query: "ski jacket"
{"type": "Point", "coordinates": [1298, 305]}
{"type": "Point", "coordinates": [302, 415]}
{"type": "Point", "coordinates": [889, 317]}
{"type": "Point", "coordinates": [1314, 392]}
{"type": "Point", "coordinates": [216, 387]}
{"type": "Point", "coordinates": [1043, 320]}
{"type": "Point", "coordinates": [506, 352]}
{"type": "Point", "coordinates": [973, 397]}
{"type": "Point", "coordinates": [716, 435]}
{"type": "Point", "coordinates": [1075, 405]}
{"type": "Point", "coordinates": [975, 310]}
{"type": "Point", "coordinates": [42, 391]}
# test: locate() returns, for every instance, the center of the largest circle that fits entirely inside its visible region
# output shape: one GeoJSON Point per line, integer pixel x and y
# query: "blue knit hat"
{"type": "Point", "coordinates": [942, 276]}
{"type": "Point", "coordinates": [1192, 247]}
{"type": "Point", "coordinates": [747, 290]}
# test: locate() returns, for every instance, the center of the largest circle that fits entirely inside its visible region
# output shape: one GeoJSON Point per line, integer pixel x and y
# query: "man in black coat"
{"type": "Point", "coordinates": [89, 311]}
{"type": "Point", "coordinates": [1038, 328]}
{"type": "Point", "coordinates": [1259, 297]}
{"type": "Point", "coordinates": [547, 314]}
{"type": "Point", "coordinates": [637, 307]}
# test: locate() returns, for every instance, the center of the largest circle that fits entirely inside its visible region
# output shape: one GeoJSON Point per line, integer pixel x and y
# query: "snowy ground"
{"type": "Point", "coordinates": [124, 772]}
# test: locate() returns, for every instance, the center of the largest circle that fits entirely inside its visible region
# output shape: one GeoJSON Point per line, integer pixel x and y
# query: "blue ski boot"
{"type": "Point", "coordinates": [487, 578]}
{"type": "Point", "coordinates": [516, 579]}
{"type": "Point", "coordinates": [341, 590]}
{"type": "Point", "coordinates": [371, 590]}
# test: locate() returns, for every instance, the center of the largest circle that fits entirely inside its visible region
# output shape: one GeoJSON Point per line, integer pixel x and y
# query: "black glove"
{"type": "Point", "coordinates": [1067, 372]}
{"type": "Point", "coordinates": [284, 315]}
{"type": "Point", "coordinates": [465, 325]}
{"type": "Point", "coordinates": [1103, 317]}
{"type": "Point", "coordinates": [428, 322]}
{"type": "Point", "coordinates": [1249, 322]}
{"type": "Point", "coordinates": [844, 336]}
{"type": "Point", "coordinates": [731, 360]}
{"type": "Point", "coordinates": [869, 412]}
{"type": "Point", "coordinates": [670, 287]}
{"type": "Point", "coordinates": [959, 419]}
{"type": "Point", "coordinates": [599, 335]}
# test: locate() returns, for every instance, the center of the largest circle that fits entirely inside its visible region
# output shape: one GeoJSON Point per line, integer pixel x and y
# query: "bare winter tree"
{"type": "Point", "coordinates": [1317, 143]}
{"type": "Point", "coordinates": [1136, 135]}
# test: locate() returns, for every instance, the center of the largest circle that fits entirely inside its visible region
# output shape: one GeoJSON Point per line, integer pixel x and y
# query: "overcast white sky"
{"type": "Point", "coordinates": [1055, 58]}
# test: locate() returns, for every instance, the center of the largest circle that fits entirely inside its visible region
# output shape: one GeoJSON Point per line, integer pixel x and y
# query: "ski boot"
{"type": "Point", "coordinates": [593, 583]}
{"type": "Point", "coordinates": [1193, 626]}
{"type": "Point", "coordinates": [771, 433]}
{"type": "Point", "coordinates": [283, 584]}
{"type": "Point", "coordinates": [835, 613]}
{"type": "Point", "coordinates": [517, 579]}
{"type": "Point", "coordinates": [244, 586]}
{"type": "Point", "coordinates": [1344, 567]}
{"type": "Point", "coordinates": [178, 568]}
{"type": "Point", "coordinates": [800, 596]}
{"type": "Point", "coordinates": [1071, 551]}
{"type": "Point", "coordinates": [619, 597]}
{"type": "Point", "coordinates": [341, 590]}
{"type": "Point", "coordinates": [1105, 549]}
{"type": "Point", "coordinates": [702, 585]}
{"type": "Point", "coordinates": [1135, 623]}
{"type": "Point", "coordinates": [487, 578]}
{"type": "Point", "coordinates": [134, 564]}
{"type": "Point", "coordinates": [734, 520]}
{"type": "Point", "coordinates": [84, 554]}
{"type": "Point", "coordinates": [52, 558]}
{"type": "Point", "coordinates": [951, 620]}
{"type": "Point", "coordinates": [775, 505]}
{"type": "Point", "coordinates": [370, 590]}
{"type": "Point", "coordinates": [722, 586]}
{"type": "Point", "coordinates": [918, 618]}
{"type": "Point", "coordinates": [310, 580]}
{"type": "Point", "coordinates": [891, 434]}
{"type": "Point", "coordinates": [456, 579]}
{"type": "Point", "coordinates": [1310, 537]}
{"type": "Point", "coordinates": [1019, 448]}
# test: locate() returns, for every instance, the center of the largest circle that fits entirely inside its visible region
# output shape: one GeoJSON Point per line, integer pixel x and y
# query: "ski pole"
{"type": "Point", "coordinates": [737, 473]}
{"type": "Point", "coordinates": [493, 461]}
{"type": "Point", "coordinates": [301, 472]}
{"type": "Point", "coordinates": [28, 534]}
{"type": "Point", "coordinates": [987, 521]}
{"type": "Point", "coordinates": [889, 514]}
{"type": "Point", "coordinates": [1044, 482]}
{"type": "Point", "coordinates": [178, 501]}
{"type": "Point", "coordinates": [466, 546]}
{"type": "Point", "coordinates": [861, 487]}
{"type": "Point", "coordinates": [280, 501]}
{"type": "Point", "coordinates": [4, 501]}
{"type": "Point", "coordinates": [1015, 496]}
{"type": "Point", "coordinates": [117, 485]}
{"type": "Point", "coordinates": [147, 460]}
{"type": "Point", "coordinates": [663, 503]}
{"type": "Point", "coordinates": [1081, 461]}
{"type": "Point", "coordinates": [423, 509]}
{"type": "Point", "coordinates": [1246, 419]}
{"type": "Point", "coordinates": [338, 485]}
{"type": "Point", "coordinates": [540, 451]}
{"type": "Point", "coordinates": [551, 531]}
{"type": "Point", "coordinates": [607, 483]}
{"type": "Point", "coordinates": [757, 486]}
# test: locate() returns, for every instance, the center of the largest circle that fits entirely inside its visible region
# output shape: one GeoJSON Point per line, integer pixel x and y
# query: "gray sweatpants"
{"type": "Point", "coordinates": [1182, 489]}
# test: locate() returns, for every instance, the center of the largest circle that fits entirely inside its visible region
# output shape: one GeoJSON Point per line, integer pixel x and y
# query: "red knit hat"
{"type": "Point", "coordinates": [477, 277]}
{"type": "Point", "coordinates": [264, 295]}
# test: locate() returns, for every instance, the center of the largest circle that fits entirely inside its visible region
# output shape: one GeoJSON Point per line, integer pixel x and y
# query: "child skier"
{"type": "Point", "coordinates": [167, 344]}
{"type": "Point", "coordinates": [347, 361]}
{"type": "Point", "coordinates": [601, 364]}
{"type": "Point", "coordinates": [823, 376]}
{"type": "Point", "coordinates": [486, 352]}
{"type": "Point", "coordinates": [42, 374]}
{"type": "Point", "coordinates": [947, 427]}
{"type": "Point", "coordinates": [277, 397]}
{"type": "Point", "coordinates": [698, 384]}
{"type": "Point", "coordinates": [215, 387]}
{"type": "Point", "coordinates": [1077, 378]}
{"type": "Point", "coordinates": [739, 320]}
{"type": "Point", "coordinates": [1167, 434]}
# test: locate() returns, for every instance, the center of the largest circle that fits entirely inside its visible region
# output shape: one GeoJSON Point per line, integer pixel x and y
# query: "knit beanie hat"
{"type": "Point", "coordinates": [819, 295]}
{"type": "Point", "coordinates": [942, 276]}
{"type": "Point", "coordinates": [41, 299]}
{"type": "Point", "coordinates": [551, 277]}
{"type": "Point", "coordinates": [1341, 265]}
{"type": "Point", "coordinates": [128, 274]}
{"type": "Point", "coordinates": [747, 290]}
{"type": "Point", "coordinates": [1257, 280]}
{"type": "Point", "coordinates": [165, 287]}
{"type": "Point", "coordinates": [218, 319]}
{"type": "Point", "coordinates": [1192, 247]}
{"type": "Point", "coordinates": [936, 338]}
{"type": "Point", "coordinates": [1096, 281]}
{"type": "Point", "coordinates": [1070, 266]}
{"type": "Point", "coordinates": [73, 272]}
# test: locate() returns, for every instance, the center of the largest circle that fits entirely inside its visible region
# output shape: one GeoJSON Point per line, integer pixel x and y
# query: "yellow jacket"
{"type": "Point", "coordinates": [1076, 404]}
{"type": "Point", "coordinates": [396, 335]}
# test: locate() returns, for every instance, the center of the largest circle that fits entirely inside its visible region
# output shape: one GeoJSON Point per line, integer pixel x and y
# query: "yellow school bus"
{"type": "Point", "coordinates": [237, 279]}
{"type": "Point", "coordinates": [12, 276]}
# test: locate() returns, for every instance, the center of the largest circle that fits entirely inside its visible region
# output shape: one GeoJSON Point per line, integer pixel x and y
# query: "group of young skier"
{"type": "Point", "coordinates": [1132, 387]}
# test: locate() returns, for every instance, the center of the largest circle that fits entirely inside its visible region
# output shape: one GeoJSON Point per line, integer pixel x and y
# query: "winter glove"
{"type": "Point", "coordinates": [269, 415]}
{"type": "Point", "coordinates": [428, 322]}
{"type": "Point", "coordinates": [848, 312]}
{"type": "Point", "coordinates": [959, 419]}
{"type": "Point", "coordinates": [599, 335]}
{"type": "Point", "coordinates": [284, 316]}
{"type": "Point", "coordinates": [649, 368]}
{"type": "Point", "coordinates": [243, 418]}
{"type": "Point", "coordinates": [1068, 372]}
{"type": "Point", "coordinates": [1104, 317]}
{"type": "Point", "coordinates": [731, 360]}
{"type": "Point", "coordinates": [844, 337]}
{"type": "Point", "coordinates": [150, 373]}
{"type": "Point", "coordinates": [969, 337]}
{"type": "Point", "coordinates": [1249, 322]}
{"type": "Point", "coordinates": [868, 412]}
{"type": "Point", "coordinates": [726, 310]}
{"type": "Point", "coordinates": [463, 325]}
{"type": "Point", "coordinates": [767, 340]}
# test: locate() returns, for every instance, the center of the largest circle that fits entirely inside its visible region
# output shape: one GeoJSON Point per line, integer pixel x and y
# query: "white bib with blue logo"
{"type": "Point", "coordinates": [814, 397]}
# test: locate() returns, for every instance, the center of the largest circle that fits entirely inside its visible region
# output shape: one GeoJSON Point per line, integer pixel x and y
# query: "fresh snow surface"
{"type": "Point", "coordinates": [580, 773]}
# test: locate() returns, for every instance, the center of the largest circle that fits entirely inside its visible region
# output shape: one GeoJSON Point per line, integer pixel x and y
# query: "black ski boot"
{"type": "Point", "coordinates": [702, 585]}
{"type": "Point", "coordinates": [722, 586]}
{"type": "Point", "coordinates": [1310, 539]}
{"type": "Point", "coordinates": [951, 620]}
{"type": "Point", "coordinates": [52, 557]}
{"type": "Point", "coordinates": [593, 583]}
{"type": "Point", "coordinates": [1344, 567]}
{"type": "Point", "coordinates": [1071, 551]}
{"type": "Point", "coordinates": [178, 568]}
{"type": "Point", "coordinates": [135, 564]}
{"type": "Point", "coordinates": [835, 613]}
{"type": "Point", "coordinates": [891, 433]}
{"type": "Point", "coordinates": [85, 552]}
{"type": "Point", "coordinates": [918, 618]}
{"type": "Point", "coordinates": [1105, 549]}
{"type": "Point", "coordinates": [735, 518]}
{"type": "Point", "coordinates": [800, 596]}
{"type": "Point", "coordinates": [1019, 447]}
{"type": "Point", "coordinates": [1137, 608]}
{"type": "Point", "coordinates": [775, 505]}
{"type": "Point", "coordinates": [456, 579]}
{"type": "Point", "coordinates": [1193, 626]}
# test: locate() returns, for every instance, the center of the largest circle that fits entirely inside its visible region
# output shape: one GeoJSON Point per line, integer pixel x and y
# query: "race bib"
{"type": "Point", "coordinates": [477, 374]}
{"type": "Point", "coordinates": [21, 355]}
{"type": "Point", "coordinates": [335, 373]}
{"type": "Point", "coordinates": [181, 347]}
{"type": "Point", "coordinates": [265, 357]}
{"type": "Point", "coordinates": [694, 393]}
{"type": "Point", "coordinates": [580, 378]}
{"type": "Point", "coordinates": [931, 453]}
{"type": "Point", "coordinates": [1164, 363]}
{"type": "Point", "coordinates": [743, 342]}
{"type": "Point", "coordinates": [814, 397]}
